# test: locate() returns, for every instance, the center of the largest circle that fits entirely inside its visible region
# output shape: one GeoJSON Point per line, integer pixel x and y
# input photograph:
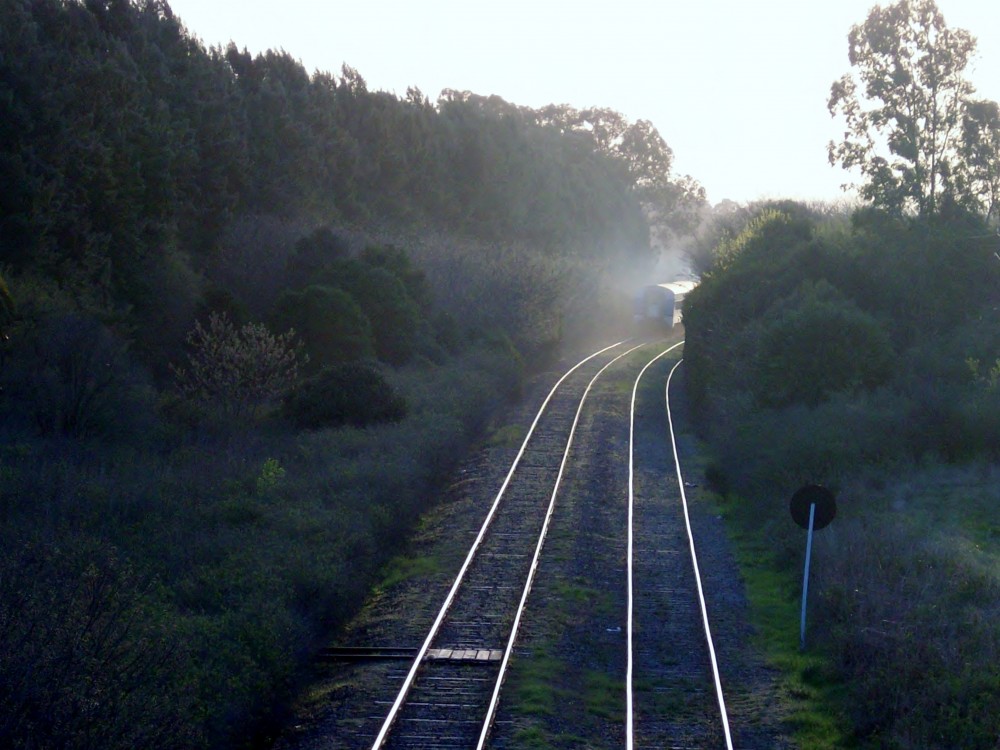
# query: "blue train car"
{"type": "Point", "coordinates": [662, 304]}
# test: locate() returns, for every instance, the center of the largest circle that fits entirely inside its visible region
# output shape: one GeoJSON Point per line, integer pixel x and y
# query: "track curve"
{"type": "Point", "coordinates": [681, 704]}
{"type": "Point", "coordinates": [445, 707]}
{"type": "Point", "coordinates": [568, 658]}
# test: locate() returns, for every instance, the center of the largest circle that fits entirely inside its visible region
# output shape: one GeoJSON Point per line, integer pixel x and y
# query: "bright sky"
{"type": "Point", "coordinates": [737, 89]}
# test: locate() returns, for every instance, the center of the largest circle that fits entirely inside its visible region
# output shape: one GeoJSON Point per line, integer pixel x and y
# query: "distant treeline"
{"type": "Point", "coordinates": [129, 152]}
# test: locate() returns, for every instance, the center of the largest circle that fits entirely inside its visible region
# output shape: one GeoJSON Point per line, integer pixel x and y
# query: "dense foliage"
{"type": "Point", "coordinates": [802, 311]}
{"type": "Point", "coordinates": [134, 163]}
{"type": "Point", "coordinates": [861, 352]}
{"type": "Point", "coordinates": [352, 393]}
{"type": "Point", "coordinates": [232, 295]}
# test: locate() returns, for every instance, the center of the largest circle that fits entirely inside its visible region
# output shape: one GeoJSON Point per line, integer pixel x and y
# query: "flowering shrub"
{"type": "Point", "coordinates": [238, 369]}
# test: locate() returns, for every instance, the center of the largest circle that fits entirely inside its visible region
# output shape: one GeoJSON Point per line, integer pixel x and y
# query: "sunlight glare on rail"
{"type": "Point", "coordinates": [408, 681]}
{"type": "Point", "coordinates": [631, 495]}
{"type": "Point", "coordinates": [697, 574]}
{"type": "Point", "coordinates": [538, 552]}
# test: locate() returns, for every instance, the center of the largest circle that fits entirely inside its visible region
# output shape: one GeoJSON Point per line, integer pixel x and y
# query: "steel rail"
{"type": "Point", "coordinates": [436, 626]}
{"type": "Point", "coordinates": [697, 573]}
{"type": "Point", "coordinates": [631, 495]}
{"type": "Point", "coordinates": [494, 699]}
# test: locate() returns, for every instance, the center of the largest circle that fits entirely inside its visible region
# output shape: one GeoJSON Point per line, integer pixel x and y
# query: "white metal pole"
{"type": "Point", "coordinates": [805, 578]}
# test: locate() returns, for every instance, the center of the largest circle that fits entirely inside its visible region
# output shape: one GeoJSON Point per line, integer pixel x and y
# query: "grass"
{"type": "Point", "coordinates": [813, 692]}
{"type": "Point", "coordinates": [402, 568]}
{"type": "Point", "coordinates": [918, 595]}
{"type": "Point", "coordinates": [957, 506]}
{"type": "Point", "coordinates": [581, 600]}
{"type": "Point", "coordinates": [533, 683]}
{"type": "Point", "coordinates": [532, 688]}
{"type": "Point", "coordinates": [508, 435]}
{"type": "Point", "coordinates": [903, 592]}
{"type": "Point", "coordinates": [603, 695]}
{"type": "Point", "coordinates": [535, 737]}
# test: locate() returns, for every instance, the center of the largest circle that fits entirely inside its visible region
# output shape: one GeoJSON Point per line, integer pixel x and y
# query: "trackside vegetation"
{"type": "Point", "coordinates": [249, 319]}
{"type": "Point", "coordinates": [856, 351]}
{"type": "Point", "coordinates": [860, 351]}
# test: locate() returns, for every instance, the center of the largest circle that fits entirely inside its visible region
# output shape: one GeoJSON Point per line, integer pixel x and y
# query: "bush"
{"type": "Point", "coordinates": [72, 376]}
{"type": "Point", "coordinates": [221, 302]}
{"type": "Point", "coordinates": [354, 394]}
{"type": "Point", "coordinates": [398, 263]}
{"type": "Point", "coordinates": [911, 627]}
{"type": "Point", "coordinates": [238, 369]}
{"type": "Point", "coordinates": [313, 253]}
{"type": "Point", "coordinates": [761, 449]}
{"type": "Point", "coordinates": [7, 308]}
{"type": "Point", "coordinates": [818, 343]}
{"type": "Point", "coordinates": [84, 659]}
{"type": "Point", "coordinates": [394, 316]}
{"type": "Point", "coordinates": [332, 326]}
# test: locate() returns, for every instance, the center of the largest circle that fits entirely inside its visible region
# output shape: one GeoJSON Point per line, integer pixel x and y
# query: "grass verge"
{"type": "Point", "coordinates": [812, 690]}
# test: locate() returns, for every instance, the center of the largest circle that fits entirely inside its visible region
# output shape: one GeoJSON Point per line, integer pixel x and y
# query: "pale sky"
{"type": "Point", "coordinates": [738, 89]}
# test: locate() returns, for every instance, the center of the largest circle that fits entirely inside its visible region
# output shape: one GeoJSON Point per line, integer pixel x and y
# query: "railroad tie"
{"type": "Point", "coordinates": [465, 655]}
{"type": "Point", "coordinates": [378, 653]}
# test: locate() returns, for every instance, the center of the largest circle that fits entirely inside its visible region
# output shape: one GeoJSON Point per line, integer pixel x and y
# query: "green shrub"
{"type": "Point", "coordinates": [221, 302]}
{"type": "Point", "coordinates": [237, 369]}
{"type": "Point", "coordinates": [397, 262]}
{"type": "Point", "coordinates": [258, 542]}
{"type": "Point", "coordinates": [353, 394]}
{"type": "Point", "coordinates": [330, 323]}
{"type": "Point", "coordinates": [817, 343]}
{"type": "Point", "coordinates": [394, 316]}
{"type": "Point", "coordinates": [86, 660]}
{"type": "Point", "coordinates": [447, 332]}
{"type": "Point", "coordinates": [911, 627]}
{"type": "Point", "coordinates": [313, 253]}
{"type": "Point", "coordinates": [7, 308]}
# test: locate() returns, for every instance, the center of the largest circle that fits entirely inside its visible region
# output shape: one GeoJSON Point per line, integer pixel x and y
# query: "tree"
{"type": "Point", "coordinates": [671, 204]}
{"type": "Point", "coordinates": [394, 316]}
{"type": "Point", "coordinates": [353, 393]}
{"type": "Point", "coordinates": [313, 253]}
{"type": "Point", "coordinates": [89, 657]}
{"type": "Point", "coordinates": [903, 105]}
{"type": "Point", "coordinates": [331, 324]}
{"type": "Point", "coordinates": [238, 369]}
{"type": "Point", "coordinates": [73, 376]}
{"type": "Point", "coordinates": [397, 262]}
{"type": "Point", "coordinates": [981, 154]}
{"type": "Point", "coordinates": [819, 342]}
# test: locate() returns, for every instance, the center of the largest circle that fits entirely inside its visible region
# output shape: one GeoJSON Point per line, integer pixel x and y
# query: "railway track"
{"type": "Point", "coordinates": [671, 649]}
{"type": "Point", "coordinates": [449, 704]}
{"type": "Point", "coordinates": [616, 618]}
{"type": "Point", "coordinates": [643, 632]}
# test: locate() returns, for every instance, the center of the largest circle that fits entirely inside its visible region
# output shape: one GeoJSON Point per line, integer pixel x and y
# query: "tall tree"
{"type": "Point", "coordinates": [981, 154]}
{"type": "Point", "coordinates": [903, 105]}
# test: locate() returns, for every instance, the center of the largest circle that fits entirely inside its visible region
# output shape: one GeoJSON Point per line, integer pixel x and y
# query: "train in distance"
{"type": "Point", "coordinates": [662, 305]}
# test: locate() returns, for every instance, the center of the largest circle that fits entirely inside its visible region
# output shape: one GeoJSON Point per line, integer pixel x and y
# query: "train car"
{"type": "Point", "coordinates": [662, 304]}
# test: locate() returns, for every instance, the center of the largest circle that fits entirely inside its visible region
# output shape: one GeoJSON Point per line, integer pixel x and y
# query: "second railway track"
{"type": "Point", "coordinates": [440, 689]}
